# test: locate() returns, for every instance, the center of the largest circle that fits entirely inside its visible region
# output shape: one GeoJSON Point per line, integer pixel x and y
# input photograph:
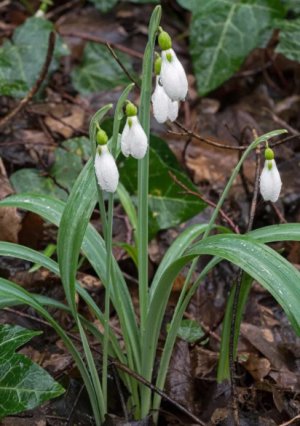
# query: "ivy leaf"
{"type": "Point", "coordinates": [104, 5]}
{"type": "Point", "coordinates": [23, 384]}
{"type": "Point", "coordinates": [167, 204]}
{"type": "Point", "coordinates": [99, 70]}
{"type": "Point", "coordinates": [21, 59]}
{"type": "Point", "coordinates": [188, 4]}
{"type": "Point", "coordinates": [190, 331]}
{"type": "Point", "coordinates": [32, 180]}
{"type": "Point", "coordinates": [289, 39]}
{"type": "Point", "coordinates": [67, 165]}
{"type": "Point", "coordinates": [224, 32]}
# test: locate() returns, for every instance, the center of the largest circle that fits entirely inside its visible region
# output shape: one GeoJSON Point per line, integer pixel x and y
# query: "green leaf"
{"type": "Point", "coordinates": [262, 263]}
{"type": "Point", "coordinates": [189, 4]}
{"type": "Point", "coordinates": [22, 58]}
{"type": "Point", "coordinates": [167, 204]}
{"type": "Point", "coordinates": [224, 32]}
{"type": "Point", "coordinates": [32, 180]}
{"type": "Point", "coordinates": [25, 253]}
{"type": "Point", "coordinates": [79, 146]}
{"type": "Point", "coordinates": [99, 70]}
{"type": "Point", "coordinates": [68, 163]}
{"type": "Point", "coordinates": [12, 292]}
{"type": "Point", "coordinates": [273, 233]}
{"type": "Point", "coordinates": [292, 6]}
{"type": "Point", "coordinates": [289, 39]}
{"type": "Point", "coordinates": [74, 221]}
{"type": "Point", "coordinates": [66, 168]}
{"type": "Point", "coordinates": [23, 384]}
{"type": "Point", "coordinates": [223, 364]}
{"type": "Point", "coordinates": [176, 250]}
{"type": "Point", "coordinates": [104, 5]}
{"type": "Point", "coordinates": [190, 331]}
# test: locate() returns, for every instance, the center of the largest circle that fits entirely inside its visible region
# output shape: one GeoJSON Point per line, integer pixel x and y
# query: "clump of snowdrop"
{"type": "Point", "coordinates": [134, 140]}
{"type": "Point", "coordinates": [173, 77]}
{"type": "Point", "coordinates": [270, 181]}
{"type": "Point", "coordinates": [105, 166]}
{"type": "Point", "coordinates": [163, 106]}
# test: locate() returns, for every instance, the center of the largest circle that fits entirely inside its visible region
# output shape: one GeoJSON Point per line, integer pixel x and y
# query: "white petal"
{"type": "Point", "coordinates": [106, 170]}
{"type": "Point", "coordinates": [173, 107]}
{"type": "Point", "coordinates": [160, 102]}
{"type": "Point", "coordinates": [125, 140]}
{"type": "Point", "coordinates": [138, 139]}
{"type": "Point", "coordinates": [173, 76]}
{"type": "Point", "coordinates": [270, 182]}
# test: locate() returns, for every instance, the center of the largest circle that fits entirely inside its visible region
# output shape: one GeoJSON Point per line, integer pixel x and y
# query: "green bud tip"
{"type": "Point", "coordinates": [164, 41]}
{"type": "Point", "coordinates": [157, 65]}
{"type": "Point", "coordinates": [169, 57]}
{"type": "Point", "coordinates": [269, 154]}
{"type": "Point", "coordinates": [131, 110]}
{"type": "Point", "coordinates": [101, 137]}
{"type": "Point", "coordinates": [270, 165]}
{"type": "Point", "coordinates": [129, 122]}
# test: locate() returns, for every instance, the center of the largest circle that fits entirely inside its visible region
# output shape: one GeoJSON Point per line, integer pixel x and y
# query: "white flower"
{"type": "Point", "coordinates": [163, 107]}
{"type": "Point", "coordinates": [173, 76]}
{"type": "Point", "coordinates": [134, 140]}
{"type": "Point", "coordinates": [106, 170]}
{"type": "Point", "coordinates": [270, 181]}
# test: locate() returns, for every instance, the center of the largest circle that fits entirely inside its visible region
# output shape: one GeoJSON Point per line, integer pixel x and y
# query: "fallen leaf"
{"type": "Point", "coordinates": [258, 367]}
{"type": "Point", "coordinates": [10, 220]}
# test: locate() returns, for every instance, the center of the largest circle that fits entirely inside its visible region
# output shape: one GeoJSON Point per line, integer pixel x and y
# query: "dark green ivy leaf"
{"type": "Point", "coordinates": [167, 204]}
{"type": "Point", "coordinates": [21, 59]}
{"type": "Point", "coordinates": [99, 70]}
{"type": "Point", "coordinates": [190, 331]}
{"type": "Point", "coordinates": [23, 384]}
{"type": "Point", "coordinates": [224, 32]}
{"type": "Point", "coordinates": [289, 39]}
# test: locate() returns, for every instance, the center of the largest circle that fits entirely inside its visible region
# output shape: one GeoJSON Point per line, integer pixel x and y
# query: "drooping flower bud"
{"type": "Point", "coordinates": [163, 107]}
{"type": "Point", "coordinates": [173, 76]}
{"type": "Point", "coordinates": [101, 137]}
{"type": "Point", "coordinates": [106, 169]}
{"type": "Point", "coordinates": [164, 40]}
{"type": "Point", "coordinates": [133, 139]}
{"type": "Point", "coordinates": [270, 181]}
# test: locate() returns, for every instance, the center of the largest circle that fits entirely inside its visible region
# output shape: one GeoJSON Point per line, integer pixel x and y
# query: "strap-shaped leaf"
{"type": "Point", "coordinates": [93, 247]}
{"type": "Point", "coordinates": [265, 265]}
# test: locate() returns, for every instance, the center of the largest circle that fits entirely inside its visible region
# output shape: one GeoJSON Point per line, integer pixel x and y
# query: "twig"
{"type": "Point", "coordinates": [122, 399]}
{"type": "Point", "coordinates": [100, 40]}
{"type": "Point", "coordinates": [74, 405]}
{"type": "Point", "coordinates": [230, 222]}
{"type": "Point", "coordinates": [237, 291]}
{"type": "Point", "coordinates": [211, 141]}
{"type": "Point", "coordinates": [278, 213]}
{"type": "Point", "coordinates": [36, 86]}
{"type": "Point", "coordinates": [290, 421]}
{"type": "Point", "coordinates": [119, 62]}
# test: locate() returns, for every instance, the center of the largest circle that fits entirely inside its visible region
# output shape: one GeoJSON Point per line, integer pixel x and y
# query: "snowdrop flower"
{"type": "Point", "coordinates": [270, 181]}
{"type": "Point", "coordinates": [172, 73]}
{"type": "Point", "coordinates": [163, 107]}
{"type": "Point", "coordinates": [134, 141]}
{"type": "Point", "coordinates": [105, 166]}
